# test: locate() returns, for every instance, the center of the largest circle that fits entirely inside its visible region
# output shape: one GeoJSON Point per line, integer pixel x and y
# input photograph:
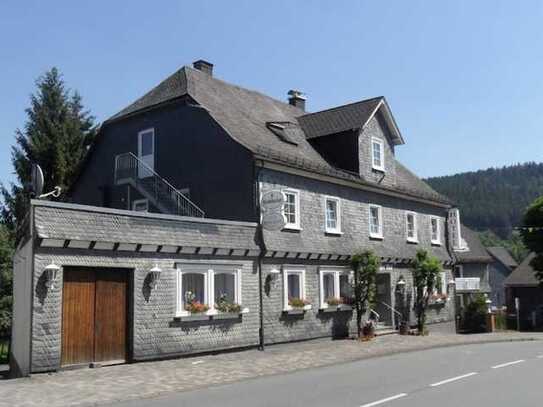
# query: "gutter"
{"type": "Point", "coordinates": [262, 246]}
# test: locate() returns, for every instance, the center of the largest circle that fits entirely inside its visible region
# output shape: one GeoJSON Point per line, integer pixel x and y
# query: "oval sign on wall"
{"type": "Point", "coordinates": [271, 205]}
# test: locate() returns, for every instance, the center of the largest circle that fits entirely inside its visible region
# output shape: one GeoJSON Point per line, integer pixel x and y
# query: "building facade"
{"type": "Point", "coordinates": [248, 208]}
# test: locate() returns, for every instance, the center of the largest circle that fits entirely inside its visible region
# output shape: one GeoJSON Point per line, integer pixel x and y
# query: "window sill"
{"type": "Point", "coordinates": [414, 241]}
{"type": "Point", "coordinates": [200, 316]}
{"type": "Point", "coordinates": [297, 310]}
{"type": "Point", "coordinates": [333, 232]}
{"type": "Point", "coordinates": [378, 169]}
{"type": "Point", "coordinates": [376, 237]}
{"type": "Point", "coordinates": [436, 243]}
{"type": "Point", "coordinates": [293, 228]}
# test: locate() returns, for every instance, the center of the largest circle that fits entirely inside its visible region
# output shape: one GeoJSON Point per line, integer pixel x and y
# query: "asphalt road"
{"type": "Point", "coordinates": [499, 374]}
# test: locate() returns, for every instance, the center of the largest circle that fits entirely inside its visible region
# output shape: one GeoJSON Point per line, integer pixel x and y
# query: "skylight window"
{"type": "Point", "coordinates": [283, 131]}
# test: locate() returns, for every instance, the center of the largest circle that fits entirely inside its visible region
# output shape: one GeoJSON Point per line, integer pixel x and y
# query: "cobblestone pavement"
{"type": "Point", "coordinates": [105, 385]}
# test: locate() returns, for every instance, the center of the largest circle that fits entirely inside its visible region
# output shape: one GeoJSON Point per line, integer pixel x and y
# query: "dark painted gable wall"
{"type": "Point", "coordinates": [340, 150]}
{"type": "Point", "coordinates": [191, 151]}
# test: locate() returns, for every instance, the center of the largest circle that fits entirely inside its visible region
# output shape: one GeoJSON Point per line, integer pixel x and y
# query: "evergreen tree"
{"type": "Point", "coordinates": [6, 298]}
{"type": "Point", "coordinates": [56, 135]}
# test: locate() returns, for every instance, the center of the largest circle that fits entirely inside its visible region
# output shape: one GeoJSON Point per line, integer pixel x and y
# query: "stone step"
{"type": "Point", "coordinates": [385, 330]}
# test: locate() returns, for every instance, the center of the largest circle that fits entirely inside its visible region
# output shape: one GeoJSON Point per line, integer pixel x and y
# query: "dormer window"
{"type": "Point", "coordinates": [377, 154]}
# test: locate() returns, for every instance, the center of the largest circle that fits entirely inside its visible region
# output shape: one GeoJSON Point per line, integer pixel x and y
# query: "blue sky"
{"type": "Point", "coordinates": [463, 78]}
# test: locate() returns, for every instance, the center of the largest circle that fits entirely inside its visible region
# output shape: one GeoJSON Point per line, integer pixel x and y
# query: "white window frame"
{"type": "Point", "coordinates": [301, 273]}
{"type": "Point", "coordinates": [296, 224]}
{"type": "Point", "coordinates": [438, 230]}
{"type": "Point", "coordinates": [337, 229]}
{"type": "Point", "coordinates": [140, 201]}
{"type": "Point", "coordinates": [209, 288]}
{"type": "Point", "coordinates": [336, 274]}
{"type": "Point", "coordinates": [143, 172]}
{"type": "Point", "coordinates": [379, 208]}
{"type": "Point", "coordinates": [414, 238]}
{"type": "Point", "coordinates": [375, 140]}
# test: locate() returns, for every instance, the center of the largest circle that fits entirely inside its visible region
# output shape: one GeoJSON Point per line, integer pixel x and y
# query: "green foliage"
{"type": "Point", "coordinates": [475, 315]}
{"type": "Point", "coordinates": [6, 280]}
{"type": "Point", "coordinates": [532, 234]}
{"type": "Point", "coordinates": [514, 244]}
{"type": "Point", "coordinates": [365, 266]}
{"type": "Point", "coordinates": [56, 136]}
{"type": "Point", "coordinates": [426, 269]}
{"type": "Point", "coordinates": [493, 199]}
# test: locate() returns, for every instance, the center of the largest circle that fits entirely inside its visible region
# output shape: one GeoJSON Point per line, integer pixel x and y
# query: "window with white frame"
{"type": "Point", "coordinates": [294, 289]}
{"type": "Point", "coordinates": [411, 226]}
{"type": "Point", "coordinates": [208, 290]}
{"type": "Point", "coordinates": [335, 288]}
{"type": "Point", "coordinates": [332, 212]}
{"type": "Point", "coordinates": [376, 221]}
{"type": "Point", "coordinates": [291, 209]}
{"type": "Point", "coordinates": [434, 230]}
{"type": "Point", "coordinates": [377, 154]}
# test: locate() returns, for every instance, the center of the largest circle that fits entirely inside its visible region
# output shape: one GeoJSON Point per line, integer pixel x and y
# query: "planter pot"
{"type": "Point", "coordinates": [295, 311]}
{"type": "Point", "coordinates": [196, 317]}
{"type": "Point", "coordinates": [227, 315]}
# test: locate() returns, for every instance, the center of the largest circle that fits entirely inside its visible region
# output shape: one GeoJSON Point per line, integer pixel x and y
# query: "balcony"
{"type": "Point", "coordinates": [468, 284]}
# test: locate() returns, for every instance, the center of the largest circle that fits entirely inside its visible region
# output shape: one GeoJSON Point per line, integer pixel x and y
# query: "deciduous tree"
{"type": "Point", "coordinates": [426, 269]}
{"type": "Point", "coordinates": [365, 266]}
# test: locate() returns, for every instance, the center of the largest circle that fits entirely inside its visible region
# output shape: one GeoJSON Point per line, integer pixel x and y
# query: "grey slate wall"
{"type": "Point", "coordinates": [155, 331]}
{"type": "Point", "coordinates": [191, 151]}
{"type": "Point", "coordinates": [377, 128]}
{"type": "Point", "coordinates": [355, 221]}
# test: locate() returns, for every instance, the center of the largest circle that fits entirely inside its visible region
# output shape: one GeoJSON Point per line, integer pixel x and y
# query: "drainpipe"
{"type": "Point", "coordinates": [261, 244]}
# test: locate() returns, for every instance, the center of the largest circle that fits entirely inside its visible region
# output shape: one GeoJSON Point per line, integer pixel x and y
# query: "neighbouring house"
{"type": "Point", "coordinates": [500, 269]}
{"type": "Point", "coordinates": [523, 285]}
{"type": "Point", "coordinates": [208, 216]}
{"type": "Point", "coordinates": [471, 269]}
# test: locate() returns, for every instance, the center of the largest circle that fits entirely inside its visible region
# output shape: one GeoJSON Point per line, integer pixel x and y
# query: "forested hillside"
{"type": "Point", "coordinates": [493, 199]}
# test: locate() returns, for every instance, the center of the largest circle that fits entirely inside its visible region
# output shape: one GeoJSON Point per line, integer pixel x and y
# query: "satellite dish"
{"type": "Point", "coordinates": [37, 180]}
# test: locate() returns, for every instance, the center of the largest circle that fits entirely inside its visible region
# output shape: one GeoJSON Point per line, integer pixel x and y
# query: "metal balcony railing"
{"type": "Point", "coordinates": [468, 283]}
{"type": "Point", "coordinates": [129, 169]}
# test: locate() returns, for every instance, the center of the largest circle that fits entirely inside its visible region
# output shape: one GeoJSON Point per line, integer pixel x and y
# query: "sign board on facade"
{"type": "Point", "coordinates": [458, 243]}
{"type": "Point", "coordinates": [271, 206]}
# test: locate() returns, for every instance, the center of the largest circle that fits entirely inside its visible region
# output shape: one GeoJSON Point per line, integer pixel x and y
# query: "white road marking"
{"type": "Point", "coordinates": [197, 362]}
{"type": "Point", "coordinates": [453, 379]}
{"type": "Point", "coordinates": [540, 357]}
{"type": "Point", "coordinates": [376, 403]}
{"type": "Point", "coordinates": [508, 364]}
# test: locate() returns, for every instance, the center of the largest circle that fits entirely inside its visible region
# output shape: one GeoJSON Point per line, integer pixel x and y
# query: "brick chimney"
{"type": "Point", "coordinates": [204, 66]}
{"type": "Point", "coordinates": [296, 98]}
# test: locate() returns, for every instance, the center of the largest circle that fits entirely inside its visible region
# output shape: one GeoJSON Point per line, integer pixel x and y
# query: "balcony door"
{"type": "Point", "coordinates": [146, 152]}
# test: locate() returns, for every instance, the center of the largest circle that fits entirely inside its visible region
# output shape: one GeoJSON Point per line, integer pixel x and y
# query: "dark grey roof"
{"type": "Point", "coordinates": [477, 253]}
{"type": "Point", "coordinates": [87, 223]}
{"type": "Point", "coordinates": [523, 275]}
{"type": "Point", "coordinates": [245, 115]}
{"type": "Point", "coordinates": [502, 255]}
{"type": "Point", "coordinates": [338, 119]}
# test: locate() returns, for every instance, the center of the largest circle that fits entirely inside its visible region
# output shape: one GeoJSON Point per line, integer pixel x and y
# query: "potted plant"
{"type": "Point", "coordinates": [227, 306]}
{"type": "Point", "coordinates": [333, 301]}
{"type": "Point", "coordinates": [194, 306]}
{"type": "Point", "coordinates": [298, 304]}
{"type": "Point", "coordinates": [368, 330]}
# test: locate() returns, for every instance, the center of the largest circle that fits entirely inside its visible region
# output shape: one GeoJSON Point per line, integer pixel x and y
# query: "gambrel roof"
{"type": "Point", "coordinates": [246, 116]}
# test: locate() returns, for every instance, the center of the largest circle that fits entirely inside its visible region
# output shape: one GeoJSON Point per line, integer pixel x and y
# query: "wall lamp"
{"type": "Point", "coordinates": [51, 275]}
{"type": "Point", "coordinates": [154, 276]}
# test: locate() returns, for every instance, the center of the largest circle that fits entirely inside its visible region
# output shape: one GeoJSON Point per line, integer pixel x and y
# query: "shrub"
{"type": "Point", "coordinates": [475, 315]}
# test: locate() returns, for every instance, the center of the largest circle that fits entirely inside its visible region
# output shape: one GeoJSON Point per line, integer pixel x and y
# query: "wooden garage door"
{"type": "Point", "coordinates": [94, 315]}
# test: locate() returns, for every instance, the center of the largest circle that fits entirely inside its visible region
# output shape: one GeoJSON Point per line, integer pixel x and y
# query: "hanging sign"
{"type": "Point", "coordinates": [271, 207]}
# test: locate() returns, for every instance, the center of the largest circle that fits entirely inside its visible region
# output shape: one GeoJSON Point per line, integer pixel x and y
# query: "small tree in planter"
{"type": "Point", "coordinates": [365, 266]}
{"type": "Point", "coordinates": [426, 269]}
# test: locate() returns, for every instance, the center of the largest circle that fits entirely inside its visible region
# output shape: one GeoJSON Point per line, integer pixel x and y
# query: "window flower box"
{"type": "Point", "coordinates": [438, 299]}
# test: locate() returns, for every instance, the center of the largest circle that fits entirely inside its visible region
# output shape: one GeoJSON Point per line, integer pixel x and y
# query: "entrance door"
{"type": "Point", "coordinates": [383, 299]}
{"type": "Point", "coordinates": [94, 315]}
